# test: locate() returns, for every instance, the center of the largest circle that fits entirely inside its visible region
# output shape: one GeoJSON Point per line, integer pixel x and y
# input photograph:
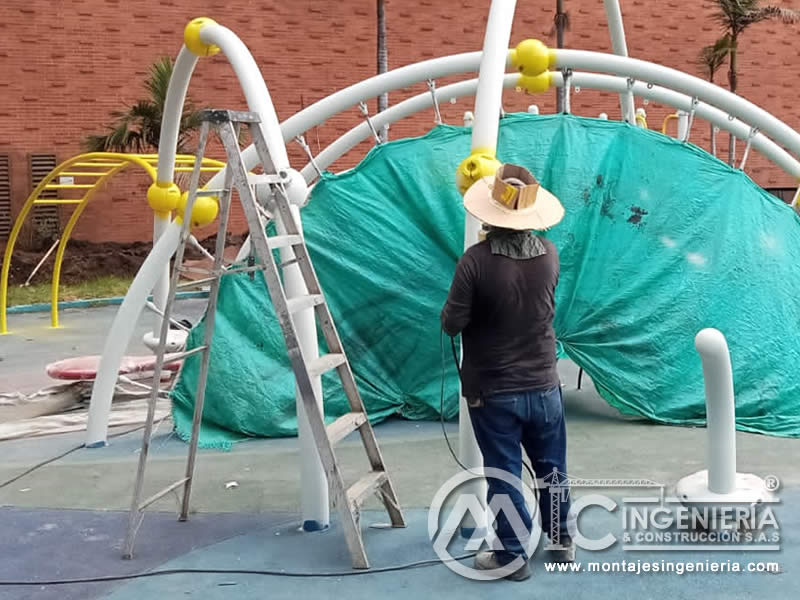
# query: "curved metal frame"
{"type": "Point", "coordinates": [114, 162]}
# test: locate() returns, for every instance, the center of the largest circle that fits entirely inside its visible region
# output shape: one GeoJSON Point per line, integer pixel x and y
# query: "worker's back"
{"type": "Point", "coordinates": [509, 343]}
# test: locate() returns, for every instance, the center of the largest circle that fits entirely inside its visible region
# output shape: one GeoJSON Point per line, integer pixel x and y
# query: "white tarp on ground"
{"type": "Point", "coordinates": [64, 408]}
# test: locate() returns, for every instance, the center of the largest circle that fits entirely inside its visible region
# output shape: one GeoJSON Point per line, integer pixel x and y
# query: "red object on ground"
{"type": "Point", "coordinates": [85, 367]}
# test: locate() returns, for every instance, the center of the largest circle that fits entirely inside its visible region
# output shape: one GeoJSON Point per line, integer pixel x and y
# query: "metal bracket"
{"type": "Point", "coordinates": [689, 123]}
{"type": "Point", "coordinates": [567, 89]}
{"type": "Point", "coordinates": [432, 90]}
{"type": "Point", "coordinates": [750, 136]}
{"type": "Point", "coordinates": [301, 139]}
{"type": "Point", "coordinates": [365, 113]}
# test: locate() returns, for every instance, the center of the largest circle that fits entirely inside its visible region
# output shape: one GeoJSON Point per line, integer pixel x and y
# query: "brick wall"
{"type": "Point", "coordinates": [67, 65]}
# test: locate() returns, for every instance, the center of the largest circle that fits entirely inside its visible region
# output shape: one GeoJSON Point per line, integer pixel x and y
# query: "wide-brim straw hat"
{"type": "Point", "coordinates": [513, 199]}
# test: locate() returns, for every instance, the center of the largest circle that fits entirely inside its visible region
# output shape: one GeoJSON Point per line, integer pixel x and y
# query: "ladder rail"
{"type": "Point", "coordinates": [332, 338]}
{"type": "Point", "coordinates": [258, 238]}
{"type": "Point", "coordinates": [210, 321]}
{"type": "Point", "coordinates": [259, 209]}
{"type": "Point", "coordinates": [136, 514]}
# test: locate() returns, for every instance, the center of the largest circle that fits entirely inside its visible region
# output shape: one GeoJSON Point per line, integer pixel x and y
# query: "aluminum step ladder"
{"type": "Point", "coordinates": [259, 209]}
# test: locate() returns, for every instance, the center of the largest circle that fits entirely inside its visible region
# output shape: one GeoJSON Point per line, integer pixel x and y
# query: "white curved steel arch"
{"type": "Point", "coordinates": [611, 83]}
{"type": "Point", "coordinates": [714, 103]}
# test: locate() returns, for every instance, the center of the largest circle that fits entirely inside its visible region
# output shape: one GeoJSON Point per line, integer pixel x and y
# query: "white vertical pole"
{"type": "Point", "coordinates": [314, 504]}
{"type": "Point", "coordinates": [161, 289]}
{"type": "Point", "coordinates": [720, 411]}
{"type": "Point", "coordinates": [533, 109]}
{"type": "Point", "coordinates": [313, 483]}
{"type": "Point", "coordinates": [488, 102]}
{"type": "Point", "coordinates": [619, 46]}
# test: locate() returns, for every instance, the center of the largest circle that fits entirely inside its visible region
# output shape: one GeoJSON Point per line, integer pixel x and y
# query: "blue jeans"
{"type": "Point", "coordinates": [535, 420]}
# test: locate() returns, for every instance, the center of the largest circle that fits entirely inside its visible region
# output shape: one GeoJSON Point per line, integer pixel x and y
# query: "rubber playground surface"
{"type": "Point", "coordinates": [66, 520]}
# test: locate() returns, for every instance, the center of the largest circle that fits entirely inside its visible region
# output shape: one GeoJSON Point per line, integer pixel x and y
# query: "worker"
{"type": "Point", "coordinates": [502, 303]}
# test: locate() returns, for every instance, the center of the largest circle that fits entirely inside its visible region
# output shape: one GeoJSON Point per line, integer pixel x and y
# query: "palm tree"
{"type": "Point", "coordinates": [383, 64]}
{"type": "Point", "coordinates": [736, 16]}
{"type": "Point", "coordinates": [710, 59]}
{"type": "Point", "coordinates": [138, 129]}
{"type": "Point", "coordinates": [560, 24]}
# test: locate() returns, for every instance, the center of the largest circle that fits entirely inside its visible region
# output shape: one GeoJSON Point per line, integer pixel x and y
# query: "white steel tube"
{"type": "Point", "coordinates": [683, 102]}
{"type": "Point", "coordinates": [121, 331]}
{"type": "Point", "coordinates": [161, 288]}
{"type": "Point", "coordinates": [386, 82]}
{"type": "Point", "coordinates": [255, 90]}
{"type": "Point", "coordinates": [687, 84]}
{"type": "Point", "coordinates": [488, 102]}
{"type": "Point", "coordinates": [489, 97]}
{"type": "Point", "coordinates": [609, 83]}
{"type": "Point", "coordinates": [720, 411]}
{"type": "Point", "coordinates": [173, 109]}
{"type": "Point", "coordinates": [314, 487]}
{"type": "Point", "coordinates": [620, 47]}
{"type": "Point", "coordinates": [168, 142]}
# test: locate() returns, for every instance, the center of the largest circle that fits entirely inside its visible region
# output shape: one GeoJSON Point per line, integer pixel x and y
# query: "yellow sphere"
{"type": "Point", "coordinates": [204, 211]}
{"type": "Point", "coordinates": [532, 57]}
{"type": "Point", "coordinates": [191, 37]}
{"type": "Point", "coordinates": [163, 197]}
{"type": "Point", "coordinates": [476, 165]}
{"type": "Point", "coordinates": [536, 85]}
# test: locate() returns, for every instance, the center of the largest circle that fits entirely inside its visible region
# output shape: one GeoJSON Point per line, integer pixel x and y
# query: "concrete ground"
{"type": "Point", "coordinates": [64, 520]}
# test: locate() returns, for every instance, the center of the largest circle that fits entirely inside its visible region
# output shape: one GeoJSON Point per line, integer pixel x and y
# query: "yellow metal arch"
{"type": "Point", "coordinates": [89, 172]}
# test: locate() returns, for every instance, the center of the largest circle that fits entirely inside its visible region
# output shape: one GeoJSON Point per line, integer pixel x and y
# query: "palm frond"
{"type": "Point", "coordinates": [145, 110]}
{"type": "Point", "coordinates": [712, 57]}
{"type": "Point", "coordinates": [157, 81]}
{"type": "Point", "coordinates": [138, 129]}
{"type": "Point", "coordinates": [777, 13]}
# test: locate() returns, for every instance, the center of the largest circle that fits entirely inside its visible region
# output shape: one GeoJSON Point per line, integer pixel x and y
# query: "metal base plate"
{"type": "Point", "coordinates": [749, 489]}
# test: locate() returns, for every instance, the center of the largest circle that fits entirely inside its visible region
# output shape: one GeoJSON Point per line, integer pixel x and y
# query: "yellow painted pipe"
{"type": "Point", "coordinates": [62, 245]}
{"type": "Point", "coordinates": [41, 201]}
{"type": "Point", "coordinates": [114, 162]}
{"type": "Point", "coordinates": [12, 240]}
{"type": "Point", "coordinates": [667, 120]}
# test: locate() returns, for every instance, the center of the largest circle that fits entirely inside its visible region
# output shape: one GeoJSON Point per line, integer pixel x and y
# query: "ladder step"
{"type": "Point", "coordinates": [210, 192]}
{"type": "Point", "coordinates": [162, 493]}
{"type": "Point", "coordinates": [283, 241]}
{"type": "Point", "coordinates": [299, 303]}
{"type": "Point", "coordinates": [325, 363]}
{"type": "Point", "coordinates": [345, 425]}
{"type": "Point", "coordinates": [365, 486]}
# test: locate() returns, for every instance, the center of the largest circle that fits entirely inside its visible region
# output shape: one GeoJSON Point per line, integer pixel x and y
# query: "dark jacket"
{"type": "Point", "coordinates": [504, 309]}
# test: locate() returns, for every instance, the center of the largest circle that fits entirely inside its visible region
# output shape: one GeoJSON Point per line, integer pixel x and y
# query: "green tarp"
{"type": "Point", "coordinates": [660, 240]}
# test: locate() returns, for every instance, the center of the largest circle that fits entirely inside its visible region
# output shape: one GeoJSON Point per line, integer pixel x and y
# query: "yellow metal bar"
{"type": "Point", "coordinates": [83, 173]}
{"type": "Point", "coordinates": [57, 201]}
{"type": "Point", "coordinates": [115, 162]}
{"type": "Point", "coordinates": [12, 240]}
{"type": "Point", "coordinates": [62, 246]}
{"type": "Point", "coordinates": [69, 186]}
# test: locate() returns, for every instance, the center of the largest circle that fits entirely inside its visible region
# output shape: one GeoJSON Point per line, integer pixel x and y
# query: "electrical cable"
{"type": "Point", "coordinates": [53, 459]}
{"type": "Point", "coordinates": [441, 406]}
{"type": "Point", "coordinates": [431, 562]}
